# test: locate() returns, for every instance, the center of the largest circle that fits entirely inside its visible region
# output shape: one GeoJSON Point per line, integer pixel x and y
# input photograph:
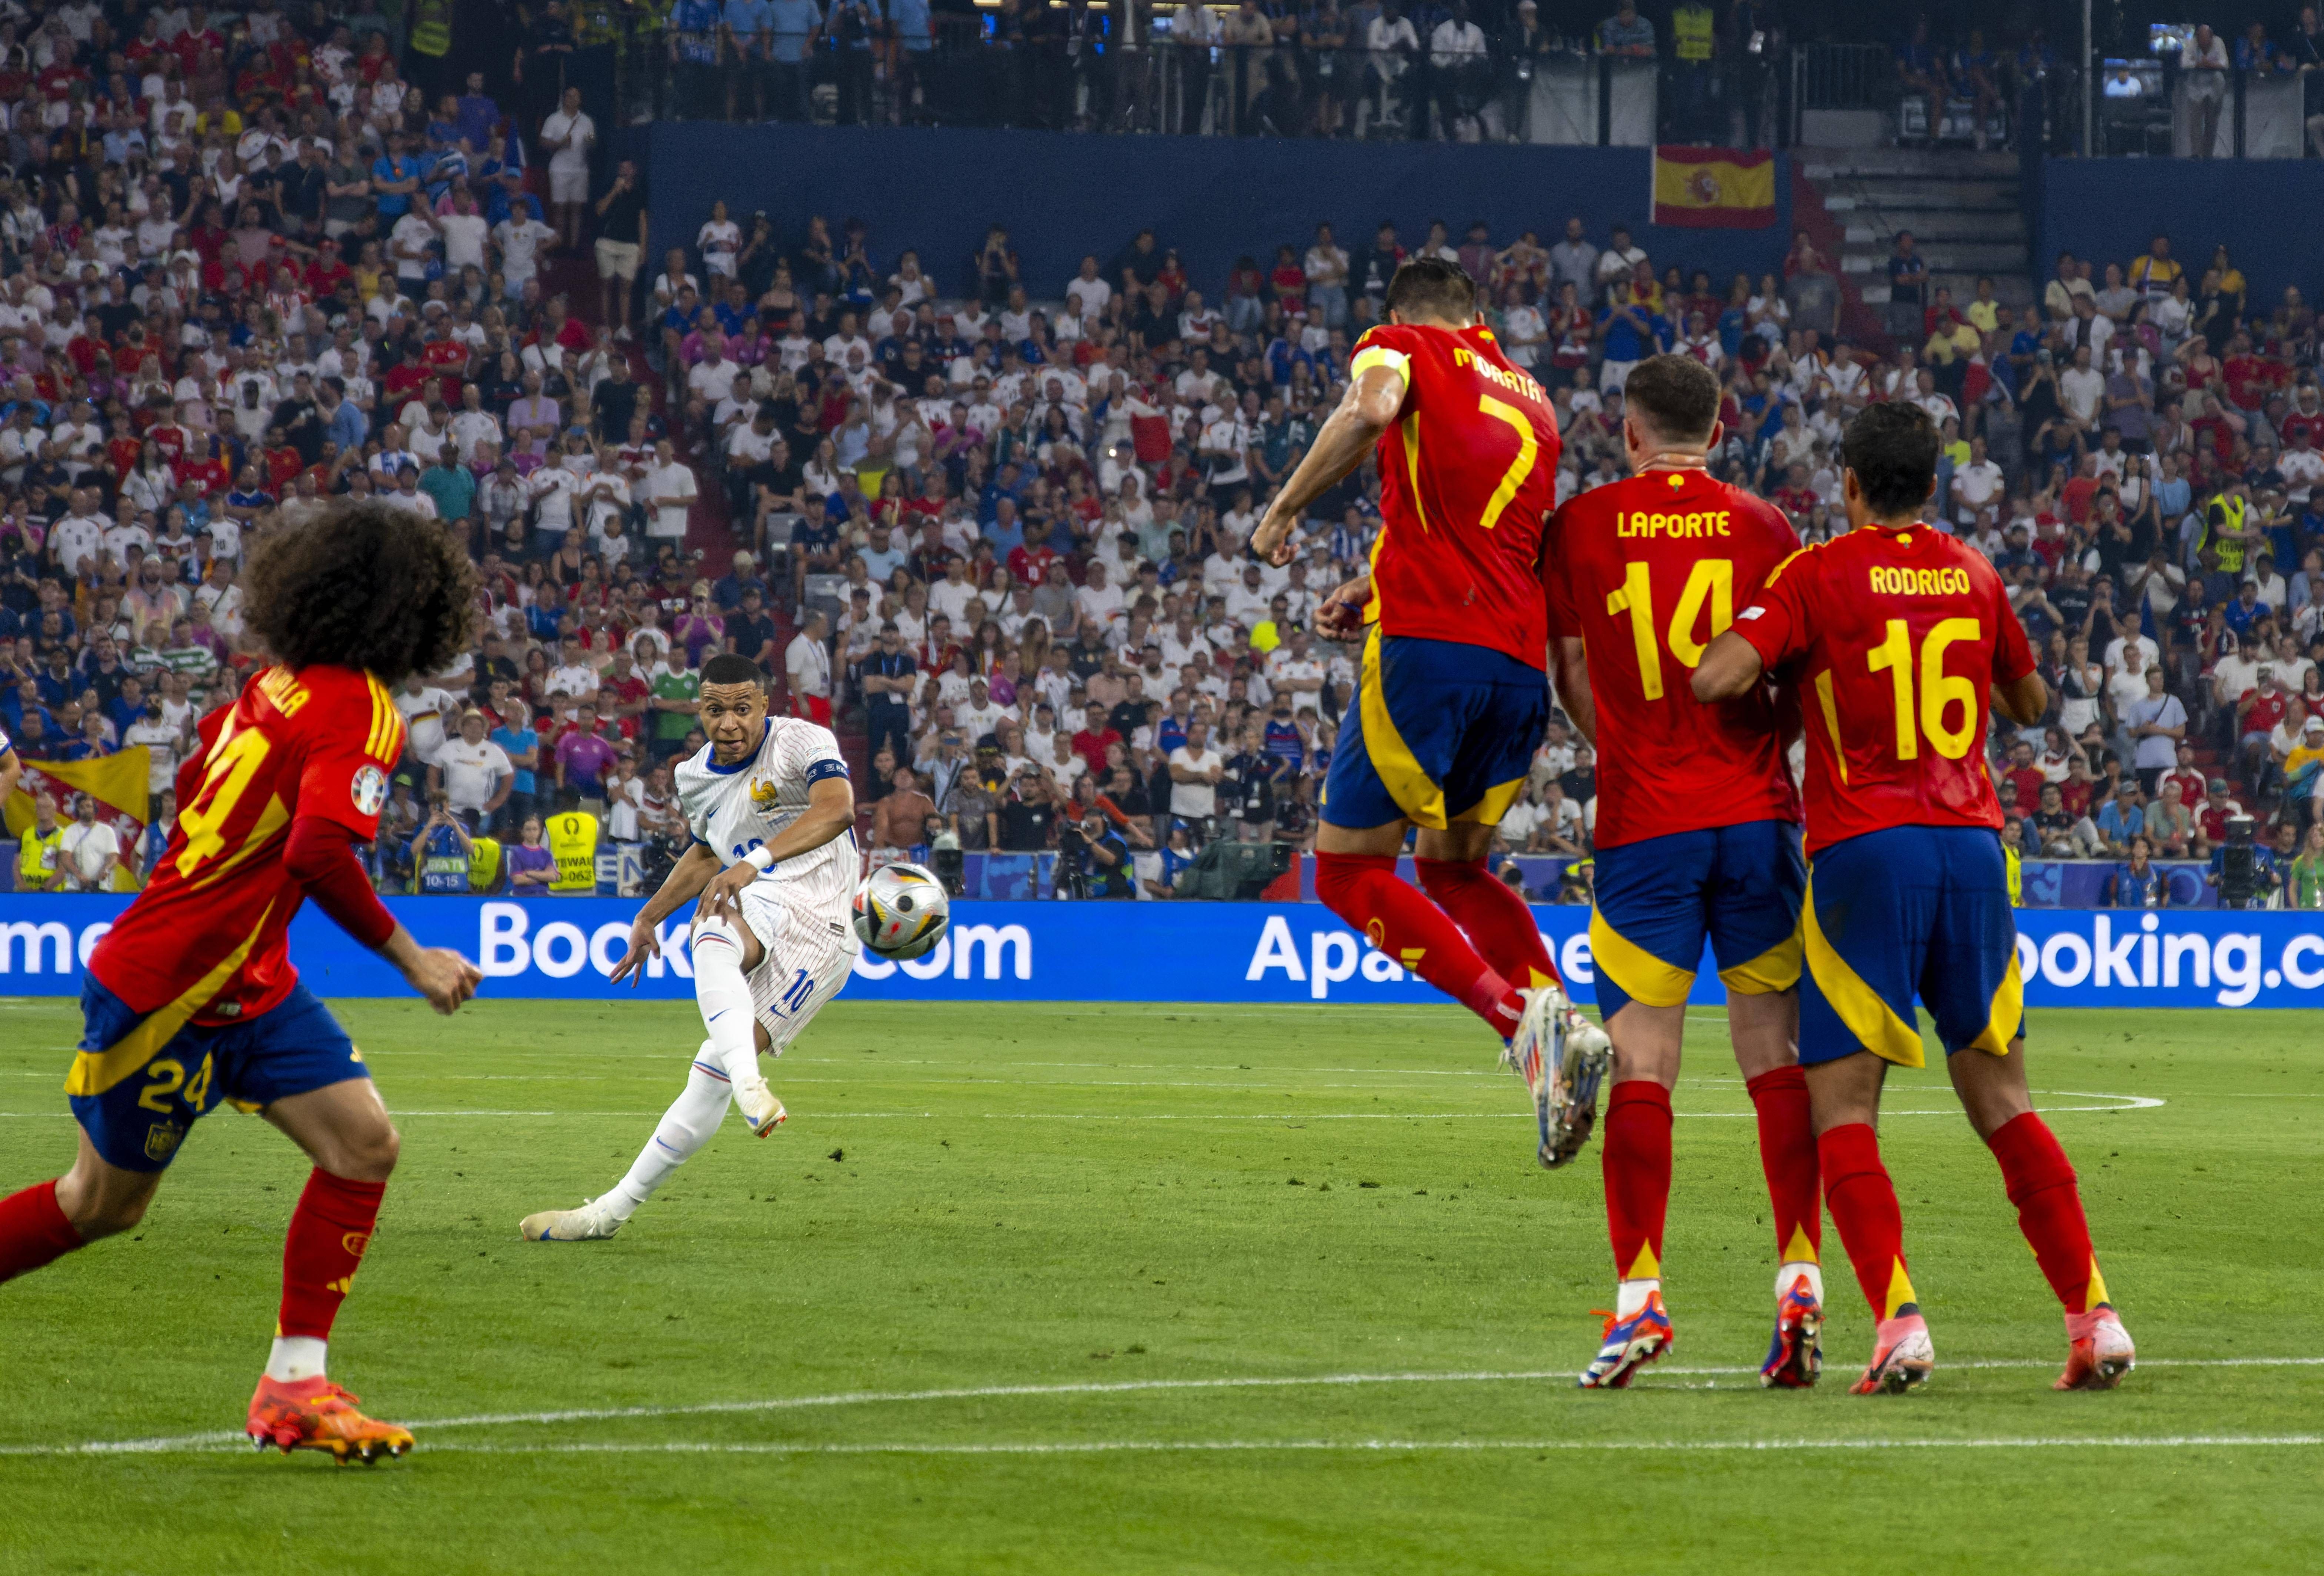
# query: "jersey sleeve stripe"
{"type": "Point", "coordinates": [1831, 721]}
{"type": "Point", "coordinates": [1777, 573]}
{"type": "Point", "coordinates": [1374, 355]}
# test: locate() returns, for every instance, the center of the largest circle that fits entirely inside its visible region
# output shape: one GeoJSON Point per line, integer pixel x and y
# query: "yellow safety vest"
{"type": "Point", "coordinates": [573, 844]}
{"type": "Point", "coordinates": [36, 860]}
{"type": "Point", "coordinates": [2230, 554]}
{"type": "Point", "coordinates": [431, 27]}
{"type": "Point", "coordinates": [2016, 875]}
{"type": "Point", "coordinates": [484, 864]}
{"type": "Point", "coordinates": [1691, 26]}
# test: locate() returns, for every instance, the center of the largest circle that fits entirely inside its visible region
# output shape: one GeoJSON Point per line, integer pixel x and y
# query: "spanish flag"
{"type": "Point", "coordinates": [1714, 188]}
{"type": "Point", "coordinates": [117, 782]}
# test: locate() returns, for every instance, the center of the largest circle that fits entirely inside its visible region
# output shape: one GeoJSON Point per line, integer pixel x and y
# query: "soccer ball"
{"type": "Point", "coordinates": [901, 912]}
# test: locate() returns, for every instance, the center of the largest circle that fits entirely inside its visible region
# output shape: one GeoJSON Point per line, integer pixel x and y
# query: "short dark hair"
{"type": "Point", "coordinates": [1892, 447]}
{"type": "Point", "coordinates": [733, 667]}
{"type": "Point", "coordinates": [364, 585]}
{"type": "Point", "coordinates": [1676, 395]}
{"type": "Point", "coordinates": [1434, 287]}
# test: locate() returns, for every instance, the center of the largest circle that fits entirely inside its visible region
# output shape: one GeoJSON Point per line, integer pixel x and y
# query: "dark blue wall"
{"type": "Point", "coordinates": [1062, 195]}
{"type": "Point", "coordinates": [2265, 209]}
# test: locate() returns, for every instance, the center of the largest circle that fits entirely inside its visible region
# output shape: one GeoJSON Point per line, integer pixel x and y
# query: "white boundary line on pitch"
{"type": "Point", "coordinates": [1396, 1446]}
{"type": "Point", "coordinates": [2138, 1103]}
{"type": "Point", "coordinates": [1088, 1388]}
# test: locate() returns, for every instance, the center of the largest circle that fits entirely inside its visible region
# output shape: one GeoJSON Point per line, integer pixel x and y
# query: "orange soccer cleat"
{"type": "Point", "coordinates": [317, 1415]}
{"type": "Point", "coordinates": [2100, 1351]}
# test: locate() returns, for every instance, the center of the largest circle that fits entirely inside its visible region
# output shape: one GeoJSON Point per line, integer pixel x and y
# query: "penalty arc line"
{"type": "Point", "coordinates": [987, 1391]}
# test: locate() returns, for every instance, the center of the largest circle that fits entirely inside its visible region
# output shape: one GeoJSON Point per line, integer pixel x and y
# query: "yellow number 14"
{"type": "Point", "coordinates": [1711, 580]}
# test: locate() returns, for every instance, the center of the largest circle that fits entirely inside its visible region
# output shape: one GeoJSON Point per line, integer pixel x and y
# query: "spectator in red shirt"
{"type": "Point", "coordinates": [2027, 776]}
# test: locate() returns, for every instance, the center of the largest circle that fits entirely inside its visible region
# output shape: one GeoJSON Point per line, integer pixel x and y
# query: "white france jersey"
{"type": "Point", "coordinates": [733, 809]}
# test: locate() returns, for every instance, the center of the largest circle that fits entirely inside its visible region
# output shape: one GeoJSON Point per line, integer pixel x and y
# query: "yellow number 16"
{"type": "Point", "coordinates": [1939, 691]}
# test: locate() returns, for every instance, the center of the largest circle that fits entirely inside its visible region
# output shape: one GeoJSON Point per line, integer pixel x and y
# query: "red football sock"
{"type": "Point", "coordinates": [329, 1231]}
{"type": "Point", "coordinates": [1863, 1207]}
{"type": "Point", "coordinates": [1637, 1170]}
{"type": "Point", "coordinates": [1494, 917]}
{"type": "Point", "coordinates": [33, 1230]}
{"type": "Point", "coordinates": [1363, 890]}
{"type": "Point", "coordinates": [2049, 1208]}
{"type": "Point", "coordinates": [1787, 1154]}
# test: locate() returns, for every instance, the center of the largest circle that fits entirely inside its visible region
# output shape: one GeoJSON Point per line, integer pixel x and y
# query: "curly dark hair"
{"type": "Point", "coordinates": [364, 585]}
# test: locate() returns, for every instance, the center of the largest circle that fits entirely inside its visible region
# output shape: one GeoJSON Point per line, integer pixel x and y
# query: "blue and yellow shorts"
{"type": "Point", "coordinates": [1441, 732]}
{"type": "Point", "coordinates": [1910, 911]}
{"type": "Point", "coordinates": [1659, 898]}
{"type": "Point", "coordinates": [139, 1083]}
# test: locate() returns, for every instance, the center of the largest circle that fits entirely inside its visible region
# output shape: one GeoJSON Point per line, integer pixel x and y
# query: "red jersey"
{"type": "Point", "coordinates": [1899, 632]}
{"type": "Point", "coordinates": [1647, 571]}
{"type": "Point", "coordinates": [208, 934]}
{"type": "Point", "coordinates": [1468, 477]}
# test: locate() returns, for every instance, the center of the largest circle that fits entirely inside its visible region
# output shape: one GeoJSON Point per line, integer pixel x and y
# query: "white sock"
{"type": "Point", "coordinates": [295, 1358]}
{"type": "Point", "coordinates": [1791, 1269]}
{"type": "Point", "coordinates": [688, 1125]}
{"type": "Point", "coordinates": [723, 992]}
{"type": "Point", "coordinates": [1630, 1295]}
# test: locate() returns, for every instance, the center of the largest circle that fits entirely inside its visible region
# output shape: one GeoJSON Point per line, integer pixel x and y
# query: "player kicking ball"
{"type": "Point", "coordinates": [1453, 692]}
{"type": "Point", "coordinates": [191, 998]}
{"type": "Point", "coordinates": [1698, 837]}
{"type": "Point", "coordinates": [770, 874]}
{"type": "Point", "coordinates": [1899, 632]}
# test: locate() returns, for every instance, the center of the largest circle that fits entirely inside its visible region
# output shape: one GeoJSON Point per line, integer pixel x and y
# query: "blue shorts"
{"type": "Point", "coordinates": [1441, 732]}
{"type": "Point", "coordinates": [144, 1087]}
{"type": "Point", "coordinates": [1911, 911]}
{"type": "Point", "coordinates": [1657, 900]}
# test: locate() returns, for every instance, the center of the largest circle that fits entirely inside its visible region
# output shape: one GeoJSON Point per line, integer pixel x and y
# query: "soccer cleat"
{"type": "Point", "coordinates": [317, 1415]}
{"type": "Point", "coordinates": [759, 1107]}
{"type": "Point", "coordinates": [1795, 1355]}
{"type": "Point", "coordinates": [1630, 1344]}
{"type": "Point", "coordinates": [587, 1224]}
{"type": "Point", "coordinates": [1563, 1056]}
{"type": "Point", "coordinates": [1902, 1358]}
{"type": "Point", "coordinates": [2100, 1352]}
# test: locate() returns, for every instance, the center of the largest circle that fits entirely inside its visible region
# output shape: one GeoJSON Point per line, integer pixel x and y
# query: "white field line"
{"type": "Point", "coordinates": [188, 1442]}
{"type": "Point", "coordinates": [1401, 1446]}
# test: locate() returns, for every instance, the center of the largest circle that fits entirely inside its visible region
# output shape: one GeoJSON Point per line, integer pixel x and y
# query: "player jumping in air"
{"type": "Point", "coordinates": [191, 998]}
{"type": "Point", "coordinates": [1698, 835]}
{"type": "Point", "coordinates": [770, 873]}
{"type": "Point", "coordinates": [1453, 692]}
{"type": "Point", "coordinates": [1895, 633]}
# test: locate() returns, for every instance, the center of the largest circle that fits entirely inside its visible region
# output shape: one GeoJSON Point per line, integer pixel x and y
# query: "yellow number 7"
{"type": "Point", "coordinates": [1711, 580]}
{"type": "Point", "coordinates": [1528, 451]}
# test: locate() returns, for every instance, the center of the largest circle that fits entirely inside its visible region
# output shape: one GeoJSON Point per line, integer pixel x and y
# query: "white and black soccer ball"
{"type": "Point", "coordinates": [901, 912]}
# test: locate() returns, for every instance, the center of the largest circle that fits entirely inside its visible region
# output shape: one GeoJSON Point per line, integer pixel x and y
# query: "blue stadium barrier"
{"type": "Point", "coordinates": [562, 950]}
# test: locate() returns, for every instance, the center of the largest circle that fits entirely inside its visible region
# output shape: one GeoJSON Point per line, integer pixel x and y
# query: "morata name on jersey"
{"type": "Point", "coordinates": [1516, 382]}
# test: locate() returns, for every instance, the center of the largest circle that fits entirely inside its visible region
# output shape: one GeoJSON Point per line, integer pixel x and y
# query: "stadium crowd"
{"type": "Point", "coordinates": [994, 521]}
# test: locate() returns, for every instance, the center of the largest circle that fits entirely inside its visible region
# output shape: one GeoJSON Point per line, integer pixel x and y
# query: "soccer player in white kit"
{"type": "Point", "coordinates": [771, 873]}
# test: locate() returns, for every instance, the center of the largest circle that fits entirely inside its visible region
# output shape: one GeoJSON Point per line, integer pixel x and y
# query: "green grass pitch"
{"type": "Point", "coordinates": [1052, 1288]}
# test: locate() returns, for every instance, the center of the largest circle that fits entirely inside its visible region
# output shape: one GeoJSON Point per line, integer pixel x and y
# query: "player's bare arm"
{"type": "Point", "coordinates": [686, 878]}
{"type": "Point", "coordinates": [1348, 435]}
{"type": "Point", "coordinates": [442, 977]}
{"type": "Point", "coordinates": [830, 812]}
{"type": "Point", "coordinates": [2022, 700]}
{"type": "Point", "coordinates": [1571, 663]}
{"type": "Point", "coordinates": [1730, 665]}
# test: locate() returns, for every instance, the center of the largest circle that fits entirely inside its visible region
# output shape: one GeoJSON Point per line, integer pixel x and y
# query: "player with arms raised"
{"type": "Point", "coordinates": [770, 872]}
{"type": "Point", "coordinates": [1698, 835]}
{"type": "Point", "coordinates": [1453, 692]}
{"type": "Point", "coordinates": [191, 998]}
{"type": "Point", "coordinates": [1895, 633]}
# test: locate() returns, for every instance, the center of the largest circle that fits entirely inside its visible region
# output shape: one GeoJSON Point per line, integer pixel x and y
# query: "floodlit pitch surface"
{"type": "Point", "coordinates": [1150, 1288]}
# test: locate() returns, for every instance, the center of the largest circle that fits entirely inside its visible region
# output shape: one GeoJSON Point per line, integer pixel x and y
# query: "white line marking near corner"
{"type": "Point", "coordinates": [196, 1442]}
